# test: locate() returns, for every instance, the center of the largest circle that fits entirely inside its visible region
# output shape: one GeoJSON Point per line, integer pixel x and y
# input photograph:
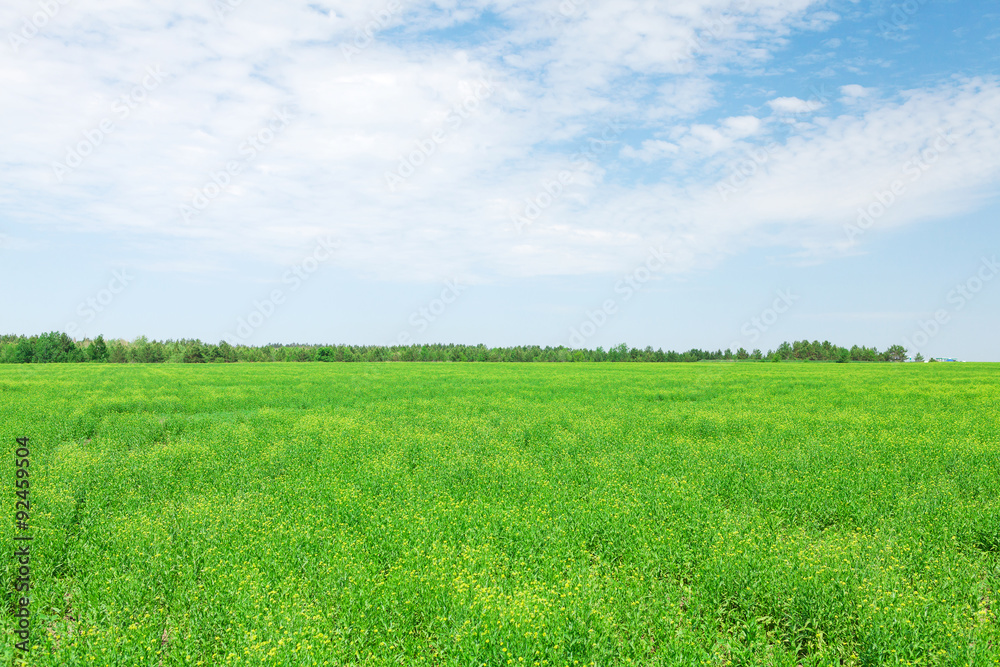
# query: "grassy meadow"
{"type": "Point", "coordinates": [515, 514]}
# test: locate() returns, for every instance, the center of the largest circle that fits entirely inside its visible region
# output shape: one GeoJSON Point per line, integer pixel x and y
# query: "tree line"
{"type": "Point", "coordinates": [56, 347]}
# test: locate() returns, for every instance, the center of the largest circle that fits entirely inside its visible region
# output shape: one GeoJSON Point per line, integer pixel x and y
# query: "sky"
{"type": "Point", "coordinates": [713, 174]}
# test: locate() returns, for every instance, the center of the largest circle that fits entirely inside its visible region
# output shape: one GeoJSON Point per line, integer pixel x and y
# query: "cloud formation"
{"type": "Point", "coordinates": [250, 129]}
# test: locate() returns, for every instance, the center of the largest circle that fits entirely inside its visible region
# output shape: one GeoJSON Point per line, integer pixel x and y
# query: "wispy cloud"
{"type": "Point", "coordinates": [794, 105]}
{"type": "Point", "coordinates": [558, 78]}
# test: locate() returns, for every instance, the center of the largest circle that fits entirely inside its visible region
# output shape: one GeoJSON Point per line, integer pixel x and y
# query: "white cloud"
{"type": "Point", "coordinates": [682, 97]}
{"type": "Point", "coordinates": [854, 91]}
{"type": "Point", "coordinates": [651, 150]}
{"type": "Point", "coordinates": [854, 94]}
{"type": "Point", "coordinates": [793, 105]}
{"type": "Point", "coordinates": [558, 85]}
{"type": "Point", "coordinates": [740, 127]}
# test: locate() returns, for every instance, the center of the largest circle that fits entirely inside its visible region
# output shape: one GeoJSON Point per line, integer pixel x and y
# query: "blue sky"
{"type": "Point", "coordinates": [568, 172]}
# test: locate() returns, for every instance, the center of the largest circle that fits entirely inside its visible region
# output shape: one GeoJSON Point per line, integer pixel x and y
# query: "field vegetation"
{"type": "Point", "coordinates": [508, 514]}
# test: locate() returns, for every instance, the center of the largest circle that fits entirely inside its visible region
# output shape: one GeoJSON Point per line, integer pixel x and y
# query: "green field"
{"type": "Point", "coordinates": [525, 514]}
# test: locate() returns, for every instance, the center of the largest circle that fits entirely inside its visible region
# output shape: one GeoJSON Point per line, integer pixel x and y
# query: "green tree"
{"type": "Point", "coordinates": [194, 353]}
{"type": "Point", "coordinates": [144, 351]}
{"type": "Point", "coordinates": [896, 353]}
{"type": "Point", "coordinates": [618, 353]}
{"type": "Point", "coordinates": [227, 353]}
{"type": "Point", "coordinates": [24, 353]}
{"type": "Point", "coordinates": [117, 352]}
{"type": "Point", "coordinates": [98, 350]}
{"type": "Point", "coordinates": [55, 348]}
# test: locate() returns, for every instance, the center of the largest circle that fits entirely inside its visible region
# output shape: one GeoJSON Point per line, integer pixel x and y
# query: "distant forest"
{"type": "Point", "coordinates": [58, 347]}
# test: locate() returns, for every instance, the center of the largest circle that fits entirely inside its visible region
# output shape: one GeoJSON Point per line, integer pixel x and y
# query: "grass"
{"type": "Point", "coordinates": [605, 514]}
